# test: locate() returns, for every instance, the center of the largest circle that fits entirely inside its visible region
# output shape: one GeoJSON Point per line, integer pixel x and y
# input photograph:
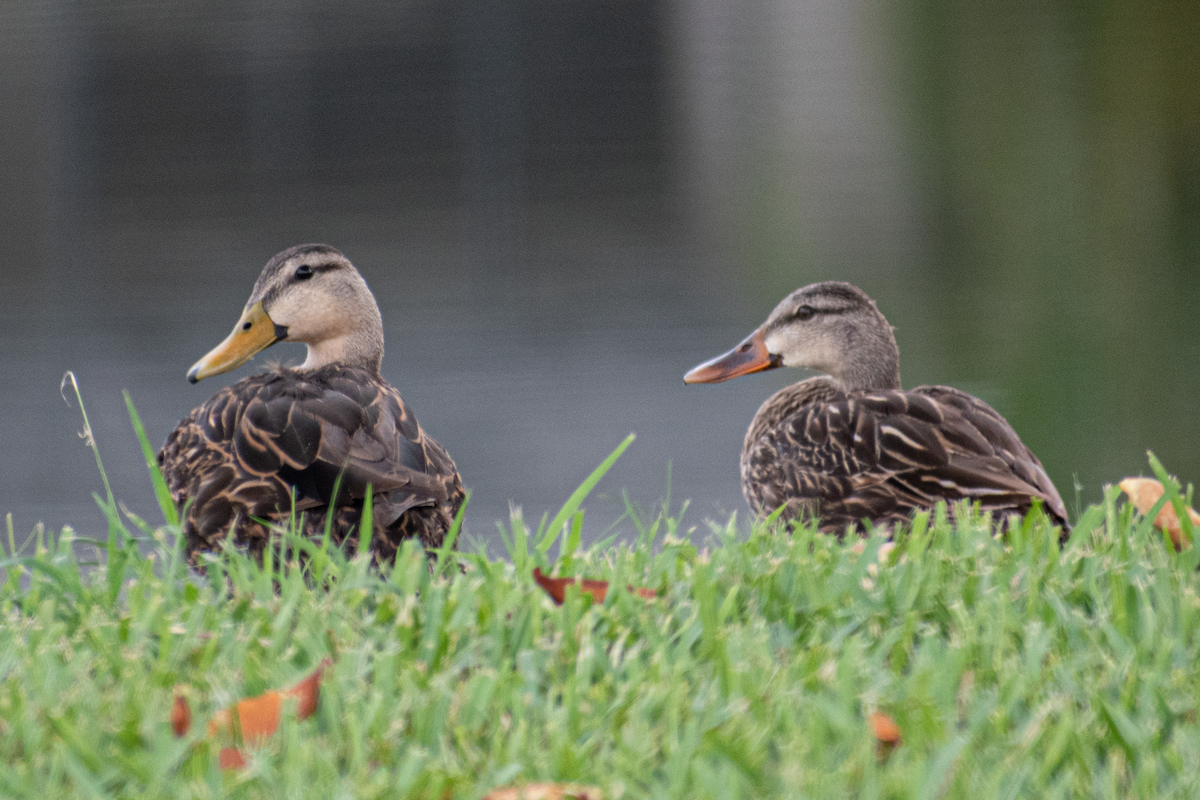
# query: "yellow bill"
{"type": "Point", "coordinates": [253, 333]}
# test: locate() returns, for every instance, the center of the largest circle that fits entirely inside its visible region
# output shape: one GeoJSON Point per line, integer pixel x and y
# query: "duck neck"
{"type": "Point", "coordinates": [875, 365]}
{"type": "Point", "coordinates": [869, 376]}
{"type": "Point", "coordinates": [362, 348]}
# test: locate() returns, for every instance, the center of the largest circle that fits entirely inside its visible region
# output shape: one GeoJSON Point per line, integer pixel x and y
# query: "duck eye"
{"type": "Point", "coordinates": [303, 272]}
{"type": "Point", "coordinates": [804, 312]}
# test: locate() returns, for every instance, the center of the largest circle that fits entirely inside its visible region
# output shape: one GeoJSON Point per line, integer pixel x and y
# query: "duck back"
{"type": "Point", "coordinates": [316, 441]}
{"type": "Point", "coordinates": [846, 457]}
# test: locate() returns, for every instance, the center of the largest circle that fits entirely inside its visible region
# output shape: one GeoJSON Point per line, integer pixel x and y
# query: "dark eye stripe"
{"type": "Point", "coordinates": [314, 269]}
{"type": "Point", "coordinates": [812, 312]}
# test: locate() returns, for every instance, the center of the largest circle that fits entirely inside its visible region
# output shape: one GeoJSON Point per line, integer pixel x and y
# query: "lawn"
{"type": "Point", "coordinates": [1012, 667]}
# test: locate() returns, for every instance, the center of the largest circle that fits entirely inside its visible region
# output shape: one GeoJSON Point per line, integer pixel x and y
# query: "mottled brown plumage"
{"type": "Point", "coordinates": [298, 433]}
{"type": "Point", "coordinates": [852, 446]}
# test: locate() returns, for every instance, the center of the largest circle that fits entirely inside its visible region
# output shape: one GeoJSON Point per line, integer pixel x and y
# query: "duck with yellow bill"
{"type": "Point", "coordinates": [313, 438]}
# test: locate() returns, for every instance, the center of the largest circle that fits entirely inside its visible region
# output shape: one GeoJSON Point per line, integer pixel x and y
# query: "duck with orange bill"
{"type": "Point", "coordinates": [851, 446]}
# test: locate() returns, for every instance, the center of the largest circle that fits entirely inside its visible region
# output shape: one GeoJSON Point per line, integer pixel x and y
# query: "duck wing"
{"type": "Point", "coordinates": [324, 435]}
{"type": "Point", "coordinates": [360, 431]}
{"type": "Point", "coordinates": [882, 455]}
{"type": "Point", "coordinates": [986, 457]}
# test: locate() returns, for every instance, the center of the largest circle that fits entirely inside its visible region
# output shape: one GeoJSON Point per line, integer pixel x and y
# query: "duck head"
{"type": "Point", "coordinates": [830, 327]}
{"type": "Point", "coordinates": [310, 293]}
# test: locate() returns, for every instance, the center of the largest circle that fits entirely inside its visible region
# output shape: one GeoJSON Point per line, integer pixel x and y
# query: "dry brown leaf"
{"type": "Point", "coordinates": [308, 691]}
{"type": "Point", "coordinates": [887, 734]}
{"type": "Point", "coordinates": [181, 716]}
{"type": "Point", "coordinates": [885, 728]}
{"type": "Point", "coordinates": [557, 587]}
{"type": "Point", "coordinates": [1144, 493]}
{"type": "Point", "coordinates": [231, 758]}
{"type": "Point", "coordinates": [258, 717]}
{"type": "Point", "coordinates": [544, 791]}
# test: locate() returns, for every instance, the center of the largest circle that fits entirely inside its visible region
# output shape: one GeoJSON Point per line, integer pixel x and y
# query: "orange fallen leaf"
{"type": "Point", "coordinates": [557, 587]}
{"type": "Point", "coordinates": [231, 758]}
{"type": "Point", "coordinates": [885, 728]}
{"type": "Point", "coordinates": [887, 734]}
{"type": "Point", "coordinates": [181, 716]}
{"type": "Point", "coordinates": [544, 791]}
{"type": "Point", "coordinates": [258, 717]}
{"type": "Point", "coordinates": [307, 691]}
{"type": "Point", "coordinates": [1144, 493]}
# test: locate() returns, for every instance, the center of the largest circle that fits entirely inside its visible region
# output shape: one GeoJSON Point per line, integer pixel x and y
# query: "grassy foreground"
{"type": "Point", "coordinates": [1014, 668]}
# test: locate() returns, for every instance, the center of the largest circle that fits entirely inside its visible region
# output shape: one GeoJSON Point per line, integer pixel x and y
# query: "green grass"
{"type": "Point", "coordinates": [1013, 667]}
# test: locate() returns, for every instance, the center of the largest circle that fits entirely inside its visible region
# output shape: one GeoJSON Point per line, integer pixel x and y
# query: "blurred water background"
{"type": "Point", "coordinates": [563, 205]}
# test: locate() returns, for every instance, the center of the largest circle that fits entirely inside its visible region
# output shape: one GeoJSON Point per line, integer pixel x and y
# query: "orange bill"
{"type": "Point", "coordinates": [253, 333]}
{"type": "Point", "coordinates": [749, 356]}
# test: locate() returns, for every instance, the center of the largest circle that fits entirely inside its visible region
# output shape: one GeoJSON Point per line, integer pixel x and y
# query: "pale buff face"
{"type": "Point", "coordinates": [332, 311]}
{"type": "Point", "coordinates": [310, 294]}
{"type": "Point", "coordinates": [803, 346]}
{"type": "Point", "coordinates": [833, 327]}
{"type": "Point", "coordinates": [314, 311]}
{"type": "Point", "coordinates": [808, 343]}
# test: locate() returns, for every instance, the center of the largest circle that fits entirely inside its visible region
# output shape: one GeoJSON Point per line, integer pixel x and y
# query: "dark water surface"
{"type": "Point", "coordinates": [563, 207]}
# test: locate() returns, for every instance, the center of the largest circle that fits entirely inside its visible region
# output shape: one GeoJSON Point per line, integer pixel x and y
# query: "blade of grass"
{"type": "Point", "coordinates": [443, 552]}
{"type": "Point", "coordinates": [88, 439]}
{"type": "Point", "coordinates": [555, 529]}
{"type": "Point", "coordinates": [119, 538]}
{"type": "Point", "coordinates": [366, 523]}
{"type": "Point", "coordinates": [1188, 555]}
{"type": "Point", "coordinates": [567, 548]}
{"type": "Point", "coordinates": [161, 492]}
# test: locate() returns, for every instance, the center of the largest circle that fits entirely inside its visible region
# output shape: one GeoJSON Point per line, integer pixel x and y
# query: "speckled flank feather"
{"type": "Point", "coordinates": [243, 453]}
{"type": "Point", "coordinates": [846, 457]}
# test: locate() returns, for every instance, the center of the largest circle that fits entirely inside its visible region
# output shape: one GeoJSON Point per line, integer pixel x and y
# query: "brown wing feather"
{"type": "Point", "coordinates": [882, 455]}
{"type": "Point", "coordinates": [256, 444]}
